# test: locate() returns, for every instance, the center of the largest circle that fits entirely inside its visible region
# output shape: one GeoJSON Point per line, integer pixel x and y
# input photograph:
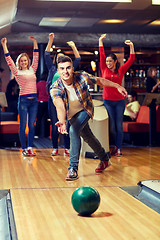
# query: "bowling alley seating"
{"type": "Point", "coordinates": [9, 129]}
{"type": "Point", "coordinates": [138, 131]}
{"type": "Point", "coordinates": [141, 124]}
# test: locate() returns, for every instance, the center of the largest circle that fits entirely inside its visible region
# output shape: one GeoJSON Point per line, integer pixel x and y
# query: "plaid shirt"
{"type": "Point", "coordinates": [80, 84]}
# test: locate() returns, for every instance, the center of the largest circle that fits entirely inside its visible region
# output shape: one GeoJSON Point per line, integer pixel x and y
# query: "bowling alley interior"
{"type": "Point", "coordinates": [113, 198]}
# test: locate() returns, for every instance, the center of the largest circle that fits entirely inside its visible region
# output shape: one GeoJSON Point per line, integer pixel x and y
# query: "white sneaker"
{"type": "Point", "coordinates": [55, 152]}
{"type": "Point", "coordinates": [25, 152]}
{"type": "Point", "coordinates": [66, 152]}
{"type": "Point", "coordinates": [30, 152]}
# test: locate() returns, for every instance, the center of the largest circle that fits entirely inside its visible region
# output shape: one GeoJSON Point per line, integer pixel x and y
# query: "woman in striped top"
{"type": "Point", "coordinates": [25, 75]}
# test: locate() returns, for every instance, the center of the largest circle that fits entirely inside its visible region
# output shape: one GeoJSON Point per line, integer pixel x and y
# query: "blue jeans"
{"type": "Point", "coordinates": [27, 106]}
{"type": "Point", "coordinates": [79, 127]}
{"type": "Point", "coordinates": [54, 132]}
{"type": "Point", "coordinates": [115, 111]}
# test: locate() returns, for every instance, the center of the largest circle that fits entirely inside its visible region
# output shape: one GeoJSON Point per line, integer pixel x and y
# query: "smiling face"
{"type": "Point", "coordinates": [65, 70]}
{"type": "Point", "coordinates": [23, 63]}
{"type": "Point", "coordinates": [111, 64]}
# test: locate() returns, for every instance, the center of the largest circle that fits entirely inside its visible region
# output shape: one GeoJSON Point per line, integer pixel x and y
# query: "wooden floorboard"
{"type": "Point", "coordinates": [41, 197]}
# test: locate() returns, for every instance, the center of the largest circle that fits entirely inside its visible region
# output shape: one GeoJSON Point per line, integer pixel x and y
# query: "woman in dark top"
{"type": "Point", "coordinates": [52, 77]}
{"type": "Point", "coordinates": [151, 83]}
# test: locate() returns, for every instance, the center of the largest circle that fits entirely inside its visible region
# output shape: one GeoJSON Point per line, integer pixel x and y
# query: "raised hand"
{"type": "Point", "coordinates": [4, 45]}
{"type": "Point", "coordinates": [4, 41]}
{"type": "Point", "coordinates": [103, 36]}
{"type": "Point", "coordinates": [128, 42]}
{"type": "Point", "coordinates": [51, 36]}
{"type": "Point", "coordinates": [71, 43]}
{"type": "Point", "coordinates": [32, 38]}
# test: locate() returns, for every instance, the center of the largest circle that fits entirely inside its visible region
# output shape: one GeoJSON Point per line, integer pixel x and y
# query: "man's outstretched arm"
{"type": "Point", "coordinates": [61, 114]}
{"type": "Point", "coordinates": [105, 82]}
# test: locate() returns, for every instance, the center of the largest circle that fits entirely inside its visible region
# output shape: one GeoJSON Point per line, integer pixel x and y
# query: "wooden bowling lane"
{"type": "Point", "coordinates": [44, 171]}
{"type": "Point", "coordinates": [41, 198]}
{"type": "Point", "coordinates": [48, 214]}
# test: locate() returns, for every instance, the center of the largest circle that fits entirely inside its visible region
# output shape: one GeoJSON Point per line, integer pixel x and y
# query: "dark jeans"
{"type": "Point", "coordinates": [42, 114]}
{"type": "Point", "coordinates": [54, 132]}
{"type": "Point", "coordinates": [27, 106]}
{"type": "Point", "coordinates": [115, 111]}
{"type": "Point", "coordinates": [79, 128]}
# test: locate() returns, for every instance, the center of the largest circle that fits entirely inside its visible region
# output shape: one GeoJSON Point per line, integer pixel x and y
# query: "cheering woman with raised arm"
{"type": "Point", "coordinates": [25, 75]}
{"type": "Point", "coordinates": [52, 77]}
{"type": "Point", "coordinates": [114, 100]}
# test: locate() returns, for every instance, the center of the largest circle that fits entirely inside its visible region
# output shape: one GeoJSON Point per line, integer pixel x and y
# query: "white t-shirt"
{"type": "Point", "coordinates": [74, 103]}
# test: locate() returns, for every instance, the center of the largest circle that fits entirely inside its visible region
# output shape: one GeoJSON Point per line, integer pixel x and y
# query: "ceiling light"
{"type": "Point", "coordinates": [112, 21]}
{"type": "Point", "coordinates": [54, 22]}
{"type": "Point", "coordinates": [155, 2]}
{"type": "Point", "coordinates": [156, 22]}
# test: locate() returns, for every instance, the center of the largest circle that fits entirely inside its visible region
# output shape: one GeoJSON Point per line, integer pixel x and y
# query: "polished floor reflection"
{"type": "Point", "coordinates": [41, 197]}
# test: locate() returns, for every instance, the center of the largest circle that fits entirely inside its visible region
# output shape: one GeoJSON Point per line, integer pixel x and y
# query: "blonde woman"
{"type": "Point", "coordinates": [25, 75]}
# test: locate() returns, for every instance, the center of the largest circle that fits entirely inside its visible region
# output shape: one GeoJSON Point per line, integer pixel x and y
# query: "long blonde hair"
{"type": "Point", "coordinates": [18, 60]}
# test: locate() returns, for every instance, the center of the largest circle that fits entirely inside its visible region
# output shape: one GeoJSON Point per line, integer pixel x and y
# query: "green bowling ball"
{"type": "Point", "coordinates": [85, 200]}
